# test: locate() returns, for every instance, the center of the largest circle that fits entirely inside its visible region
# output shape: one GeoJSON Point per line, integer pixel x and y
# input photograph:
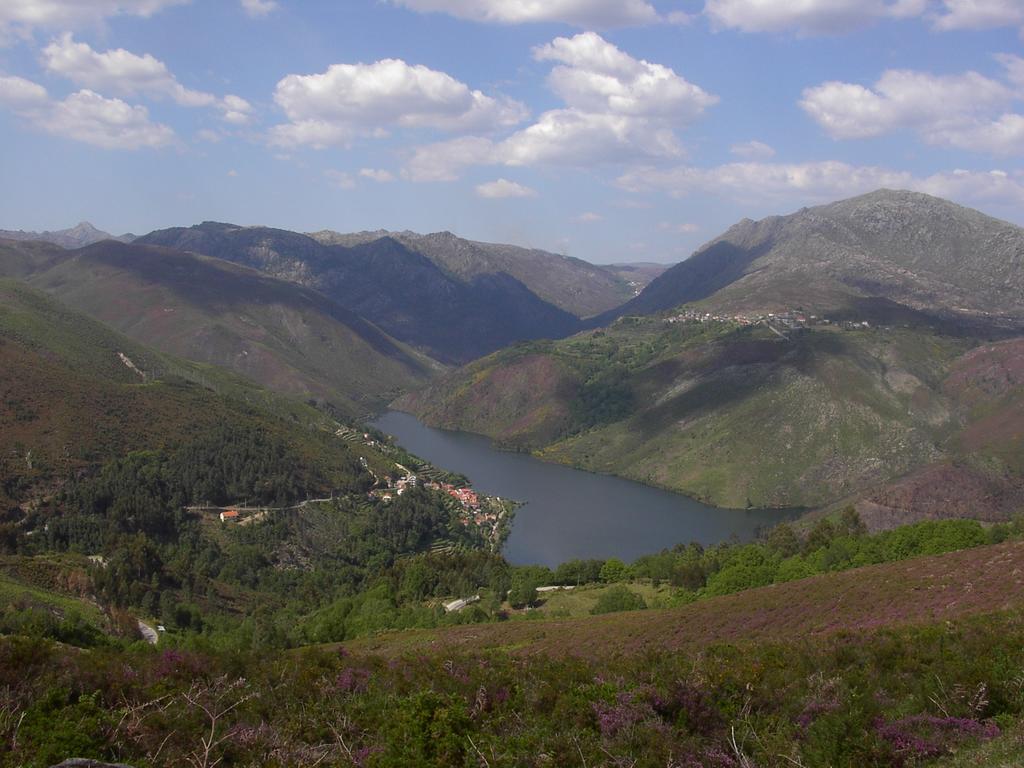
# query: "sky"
{"type": "Point", "coordinates": [609, 130]}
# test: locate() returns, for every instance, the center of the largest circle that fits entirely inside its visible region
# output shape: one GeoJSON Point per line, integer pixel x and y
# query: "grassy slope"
{"type": "Point", "coordinates": [924, 590]}
{"type": "Point", "coordinates": [285, 337]}
{"type": "Point", "coordinates": [68, 401]}
{"type": "Point", "coordinates": [725, 414]}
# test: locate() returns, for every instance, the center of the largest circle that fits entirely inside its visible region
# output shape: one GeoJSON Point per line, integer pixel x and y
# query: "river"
{"type": "Point", "coordinates": [569, 513]}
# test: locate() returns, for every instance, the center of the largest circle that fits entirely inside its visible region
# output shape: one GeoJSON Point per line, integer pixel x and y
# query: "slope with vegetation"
{"type": "Point", "coordinates": [282, 336]}
{"type": "Point", "coordinates": [900, 664]}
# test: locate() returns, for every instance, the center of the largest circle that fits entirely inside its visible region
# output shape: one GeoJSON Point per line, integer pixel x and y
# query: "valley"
{"type": "Point", "coordinates": [253, 449]}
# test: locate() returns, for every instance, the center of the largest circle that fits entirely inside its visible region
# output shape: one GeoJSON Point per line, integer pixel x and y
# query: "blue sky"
{"type": "Point", "coordinates": [611, 130]}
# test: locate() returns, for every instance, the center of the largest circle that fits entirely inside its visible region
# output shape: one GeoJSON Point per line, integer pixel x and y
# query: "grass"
{"type": "Point", "coordinates": [577, 603]}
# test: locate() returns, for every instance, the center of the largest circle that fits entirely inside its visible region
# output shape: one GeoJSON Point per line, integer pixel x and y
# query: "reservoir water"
{"type": "Point", "coordinates": [569, 513]}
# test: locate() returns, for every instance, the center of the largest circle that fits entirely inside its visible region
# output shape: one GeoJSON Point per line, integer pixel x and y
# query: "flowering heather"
{"type": "Point", "coordinates": [922, 737]}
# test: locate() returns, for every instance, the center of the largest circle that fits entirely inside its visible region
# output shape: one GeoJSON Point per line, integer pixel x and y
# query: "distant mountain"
{"type": "Point", "coordinates": [638, 274]}
{"type": "Point", "coordinates": [571, 284]}
{"type": "Point", "coordinates": [78, 236]}
{"type": "Point", "coordinates": [281, 335]}
{"type": "Point", "coordinates": [904, 248]}
{"type": "Point", "coordinates": [454, 317]}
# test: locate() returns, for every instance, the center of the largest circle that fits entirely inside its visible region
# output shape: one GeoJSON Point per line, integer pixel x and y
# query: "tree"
{"type": "Point", "coordinates": [614, 570]}
{"type": "Point", "coordinates": [618, 598]}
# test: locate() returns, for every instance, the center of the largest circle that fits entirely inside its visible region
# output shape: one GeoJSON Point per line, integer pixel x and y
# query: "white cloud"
{"type": "Point", "coordinates": [966, 111]}
{"type": "Point", "coordinates": [752, 150]}
{"type": "Point", "coordinates": [128, 74]}
{"type": "Point", "coordinates": [618, 109]}
{"type": "Point", "coordinates": [118, 71]}
{"type": "Point", "coordinates": [503, 188]}
{"type": "Point", "coordinates": [350, 100]}
{"type": "Point", "coordinates": [589, 217]}
{"type": "Point", "coordinates": [379, 175]}
{"type": "Point", "coordinates": [210, 136]}
{"type": "Point", "coordinates": [65, 14]}
{"type": "Point", "coordinates": [19, 93]}
{"type": "Point", "coordinates": [84, 116]}
{"type": "Point", "coordinates": [235, 109]}
{"type": "Point", "coordinates": [445, 160]}
{"type": "Point", "coordinates": [259, 8]}
{"type": "Point", "coordinates": [820, 182]}
{"type": "Point", "coordinates": [807, 16]}
{"type": "Point", "coordinates": [980, 14]}
{"type": "Point", "coordinates": [232, 173]}
{"type": "Point", "coordinates": [340, 179]}
{"type": "Point", "coordinates": [581, 13]}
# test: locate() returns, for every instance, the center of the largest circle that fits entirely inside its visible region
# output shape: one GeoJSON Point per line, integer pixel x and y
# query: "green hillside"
{"type": "Point", "coordinates": [743, 416]}
{"type": "Point", "coordinates": [281, 336]}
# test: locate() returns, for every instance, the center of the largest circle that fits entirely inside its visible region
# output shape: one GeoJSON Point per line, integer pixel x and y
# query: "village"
{"type": "Point", "coordinates": [488, 517]}
{"type": "Point", "coordinates": [789, 320]}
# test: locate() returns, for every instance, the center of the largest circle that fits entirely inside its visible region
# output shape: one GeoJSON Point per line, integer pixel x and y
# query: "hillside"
{"type": "Point", "coordinates": [923, 590]}
{"type": "Point", "coordinates": [837, 412]}
{"type": "Point", "coordinates": [76, 394]}
{"type": "Point", "coordinates": [571, 284]}
{"type": "Point", "coordinates": [909, 664]}
{"type": "Point", "coordinates": [912, 249]}
{"type": "Point", "coordinates": [453, 318]}
{"type": "Point", "coordinates": [283, 336]}
{"type": "Point", "coordinates": [78, 236]}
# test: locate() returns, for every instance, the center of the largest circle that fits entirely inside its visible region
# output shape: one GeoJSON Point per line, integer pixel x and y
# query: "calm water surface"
{"type": "Point", "coordinates": [569, 513]}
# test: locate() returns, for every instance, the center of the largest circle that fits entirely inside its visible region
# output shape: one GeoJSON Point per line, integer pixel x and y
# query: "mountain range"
{"type": "Point", "coordinates": [454, 299]}
{"type": "Point", "coordinates": [80, 235]}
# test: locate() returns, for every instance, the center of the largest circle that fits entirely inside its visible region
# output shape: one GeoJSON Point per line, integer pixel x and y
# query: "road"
{"type": "Point", "coordinates": [148, 633]}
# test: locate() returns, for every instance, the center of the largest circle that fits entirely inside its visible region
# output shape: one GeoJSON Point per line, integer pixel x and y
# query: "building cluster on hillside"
{"type": "Point", "coordinates": [789, 319]}
{"type": "Point", "coordinates": [395, 487]}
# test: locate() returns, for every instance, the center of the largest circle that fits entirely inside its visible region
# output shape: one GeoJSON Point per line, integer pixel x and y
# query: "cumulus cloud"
{"type": "Point", "coordinates": [84, 116]}
{"type": "Point", "coordinates": [824, 17]}
{"type": "Point", "coordinates": [504, 188]}
{"type": "Point", "coordinates": [64, 14]}
{"type": "Point", "coordinates": [129, 74]}
{"type": "Point", "coordinates": [807, 16]}
{"type": "Point", "coordinates": [979, 14]}
{"type": "Point", "coordinates": [820, 182]}
{"type": "Point", "coordinates": [752, 150]}
{"type": "Point", "coordinates": [617, 109]}
{"type": "Point", "coordinates": [118, 71]}
{"type": "Point", "coordinates": [445, 160]}
{"type": "Point", "coordinates": [235, 109]}
{"type": "Point", "coordinates": [966, 111]}
{"type": "Point", "coordinates": [379, 175]}
{"type": "Point", "coordinates": [259, 8]}
{"type": "Point", "coordinates": [588, 217]}
{"type": "Point", "coordinates": [350, 100]}
{"type": "Point", "coordinates": [582, 13]}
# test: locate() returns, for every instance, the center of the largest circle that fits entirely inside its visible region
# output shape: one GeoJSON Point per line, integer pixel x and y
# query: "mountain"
{"type": "Point", "coordinates": [638, 274]}
{"type": "Point", "coordinates": [451, 317]}
{"type": "Point", "coordinates": [574, 285]}
{"type": "Point", "coordinates": [911, 414]}
{"type": "Point", "coordinates": [281, 335]}
{"type": "Point", "coordinates": [78, 236]}
{"type": "Point", "coordinates": [905, 248]}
